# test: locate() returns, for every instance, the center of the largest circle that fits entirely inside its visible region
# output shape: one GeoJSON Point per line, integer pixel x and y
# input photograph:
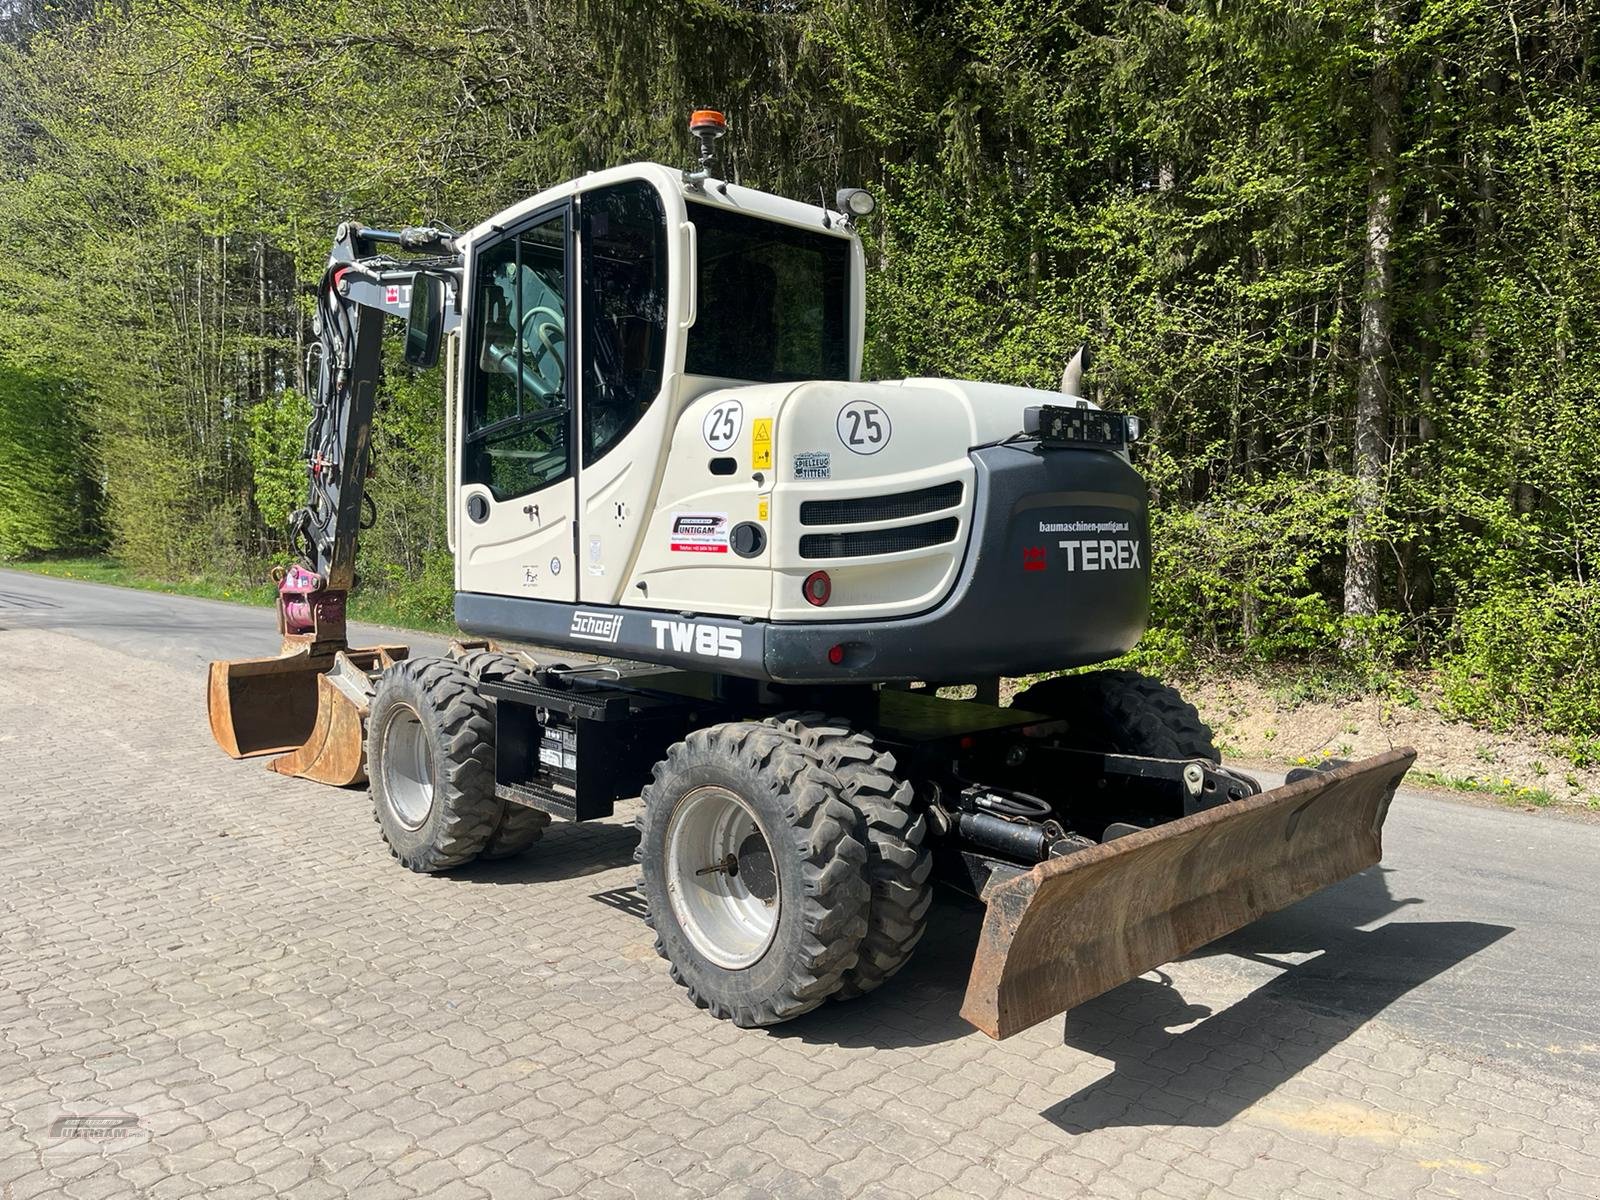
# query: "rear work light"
{"type": "Point", "coordinates": [817, 588]}
{"type": "Point", "coordinates": [1057, 425]}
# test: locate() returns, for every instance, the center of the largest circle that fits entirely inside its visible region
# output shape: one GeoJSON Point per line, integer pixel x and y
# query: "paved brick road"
{"type": "Point", "coordinates": [226, 966]}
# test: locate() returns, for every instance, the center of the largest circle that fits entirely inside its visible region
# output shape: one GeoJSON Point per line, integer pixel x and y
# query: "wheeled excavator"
{"type": "Point", "coordinates": [765, 574]}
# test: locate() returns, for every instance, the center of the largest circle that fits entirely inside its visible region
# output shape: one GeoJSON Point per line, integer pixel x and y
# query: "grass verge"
{"type": "Point", "coordinates": [1519, 795]}
{"type": "Point", "coordinates": [374, 608]}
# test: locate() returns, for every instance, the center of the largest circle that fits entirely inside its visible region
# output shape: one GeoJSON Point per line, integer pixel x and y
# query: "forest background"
{"type": "Point", "coordinates": [1341, 257]}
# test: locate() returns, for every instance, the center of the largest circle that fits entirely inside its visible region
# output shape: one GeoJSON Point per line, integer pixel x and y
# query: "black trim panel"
{"type": "Point", "coordinates": [675, 639]}
{"type": "Point", "coordinates": [1024, 601]}
{"type": "Point", "coordinates": [858, 543]}
{"type": "Point", "coordinates": [897, 506]}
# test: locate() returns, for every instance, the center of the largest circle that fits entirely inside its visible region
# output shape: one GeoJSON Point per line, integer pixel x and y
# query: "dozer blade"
{"type": "Point", "coordinates": [307, 707]}
{"type": "Point", "coordinates": [1078, 926]}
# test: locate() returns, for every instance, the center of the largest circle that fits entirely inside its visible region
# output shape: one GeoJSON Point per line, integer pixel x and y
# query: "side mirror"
{"type": "Point", "coordinates": [425, 321]}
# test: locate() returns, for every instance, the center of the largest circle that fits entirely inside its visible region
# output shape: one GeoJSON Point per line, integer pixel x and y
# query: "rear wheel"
{"type": "Point", "coordinates": [430, 757]}
{"type": "Point", "coordinates": [1122, 712]}
{"type": "Point", "coordinates": [491, 665]}
{"type": "Point", "coordinates": [754, 873]}
{"type": "Point", "coordinates": [898, 860]}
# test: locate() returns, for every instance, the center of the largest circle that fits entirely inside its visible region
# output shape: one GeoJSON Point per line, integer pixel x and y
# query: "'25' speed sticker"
{"type": "Point", "coordinates": [722, 424]}
{"type": "Point", "coordinates": [863, 427]}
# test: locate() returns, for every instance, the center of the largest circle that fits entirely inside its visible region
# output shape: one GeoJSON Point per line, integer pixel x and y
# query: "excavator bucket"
{"type": "Point", "coordinates": [308, 707]}
{"type": "Point", "coordinates": [1074, 927]}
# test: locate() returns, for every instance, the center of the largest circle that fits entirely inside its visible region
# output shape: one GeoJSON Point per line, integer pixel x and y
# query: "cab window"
{"type": "Point", "coordinates": [515, 438]}
{"type": "Point", "coordinates": [773, 299]}
{"type": "Point", "coordinates": [624, 255]}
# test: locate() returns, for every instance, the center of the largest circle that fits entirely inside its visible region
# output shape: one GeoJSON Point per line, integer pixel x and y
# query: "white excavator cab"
{"type": "Point", "coordinates": [594, 315]}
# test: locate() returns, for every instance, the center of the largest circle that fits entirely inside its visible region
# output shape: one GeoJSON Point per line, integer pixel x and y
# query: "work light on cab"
{"type": "Point", "coordinates": [855, 203]}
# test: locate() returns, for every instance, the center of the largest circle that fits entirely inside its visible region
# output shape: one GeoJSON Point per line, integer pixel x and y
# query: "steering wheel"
{"type": "Point", "coordinates": [548, 332]}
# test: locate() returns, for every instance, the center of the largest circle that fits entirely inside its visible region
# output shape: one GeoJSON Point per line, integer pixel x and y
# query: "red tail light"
{"type": "Point", "coordinates": [817, 588]}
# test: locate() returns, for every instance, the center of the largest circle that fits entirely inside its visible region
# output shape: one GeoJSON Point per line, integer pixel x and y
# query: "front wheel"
{"type": "Point", "coordinates": [754, 873]}
{"type": "Point", "coordinates": [430, 757]}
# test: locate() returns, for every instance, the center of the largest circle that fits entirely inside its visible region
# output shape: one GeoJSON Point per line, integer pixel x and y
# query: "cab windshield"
{"type": "Point", "coordinates": [773, 302]}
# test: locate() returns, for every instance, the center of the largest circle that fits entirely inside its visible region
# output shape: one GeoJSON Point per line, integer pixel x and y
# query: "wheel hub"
{"type": "Point", "coordinates": [754, 865]}
{"type": "Point", "coordinates": [722, 881]}
{"type": "Point", "coordinates": [407, 767]}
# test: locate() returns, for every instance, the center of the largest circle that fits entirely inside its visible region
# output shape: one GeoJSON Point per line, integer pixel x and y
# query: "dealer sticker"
{"type": "Point", "coordinates": [700, 533]}
{"type": "Point", "coordinates": [813, 464]}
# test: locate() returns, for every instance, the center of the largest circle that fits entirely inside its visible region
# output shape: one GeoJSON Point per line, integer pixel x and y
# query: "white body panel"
{"type": "Point", "coordinates": [515, 551]}
{"type": "Point", "coordinates": [928, 426]}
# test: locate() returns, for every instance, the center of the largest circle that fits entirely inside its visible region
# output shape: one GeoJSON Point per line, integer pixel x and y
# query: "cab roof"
{"type": "Point", "coordinates": [670, 181]}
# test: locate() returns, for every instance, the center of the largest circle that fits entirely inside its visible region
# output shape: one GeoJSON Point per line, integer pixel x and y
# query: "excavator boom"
{"type": "Point", "coordinates": [307, 703]}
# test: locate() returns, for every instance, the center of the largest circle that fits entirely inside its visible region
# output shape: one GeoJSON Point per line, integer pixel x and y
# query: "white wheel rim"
{"type": "Point", "coordinates": [722, 879]}
{"type": "Point", "coordinates": [407, 767]}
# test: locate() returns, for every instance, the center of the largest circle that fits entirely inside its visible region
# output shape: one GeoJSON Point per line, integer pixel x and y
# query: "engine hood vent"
{"type": "Point", "coordinates": [861, 542]}
{"type": "Point", "coordinates": [897, 507]}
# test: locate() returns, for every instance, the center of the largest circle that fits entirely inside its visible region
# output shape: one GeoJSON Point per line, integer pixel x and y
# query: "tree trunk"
{"type": "Point", "coordinates": [1362, 565]}
{"type": "Point", "coordinates": [1416, 583]}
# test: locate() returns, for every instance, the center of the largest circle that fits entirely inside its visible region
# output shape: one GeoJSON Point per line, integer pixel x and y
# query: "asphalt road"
{"type": "Point", "coordinates": [1477, 933]}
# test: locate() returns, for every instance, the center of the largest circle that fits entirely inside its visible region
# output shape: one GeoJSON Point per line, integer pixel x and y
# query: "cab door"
{"type": "Point", "coordinates": [626, 348]}
{"type": "Point", "coordinates": [517, 499]}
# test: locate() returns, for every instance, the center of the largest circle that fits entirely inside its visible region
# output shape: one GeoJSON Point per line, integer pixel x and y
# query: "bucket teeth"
{"type": "Point", "coordinates": [1075, 927]}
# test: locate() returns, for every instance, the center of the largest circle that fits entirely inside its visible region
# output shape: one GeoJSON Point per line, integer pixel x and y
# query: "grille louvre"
{"type": "Point", "coordinates": [896, 507]}
{"type": "Point", "coordinates": [862, 542]}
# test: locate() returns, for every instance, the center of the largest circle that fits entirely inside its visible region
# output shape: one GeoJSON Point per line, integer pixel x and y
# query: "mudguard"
{"type": "Point", "coordinates": [1074, 927]}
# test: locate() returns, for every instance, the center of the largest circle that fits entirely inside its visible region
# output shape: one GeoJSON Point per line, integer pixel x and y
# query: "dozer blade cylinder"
{"type": "Point", "coordinates": [1078, 926]}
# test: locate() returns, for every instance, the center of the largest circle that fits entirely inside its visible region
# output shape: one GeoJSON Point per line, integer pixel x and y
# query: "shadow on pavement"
{"type": "Point", "coordinates": [1319, 922]}
{"type": "Point", "coordinates": [918, 1007]}
{"type": "Point", "coordinates": [1357, 975]}
{"type": "Point", "coordinates": [566, 851]}
{"type": "Point", "coordinates": [1209, 1073]}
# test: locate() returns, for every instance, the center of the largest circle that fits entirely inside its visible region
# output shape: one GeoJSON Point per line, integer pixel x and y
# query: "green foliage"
{"type": "Point", "coordinates": [1530, 654]}
{"type": "Point", "coordinates": [47, 502]}
{"type": "Point", "coordinates": [1245, 570]}
{"type": "Point", "coordinates": [404, 552]}
{"type": "Point", "coordinates": [1521, 795]}
{"type": "Point", "coordinates": [277, 433]}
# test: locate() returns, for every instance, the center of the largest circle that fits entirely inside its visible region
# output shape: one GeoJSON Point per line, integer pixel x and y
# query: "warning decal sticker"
{"type": "Point", "coordinates": [761, 444]}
